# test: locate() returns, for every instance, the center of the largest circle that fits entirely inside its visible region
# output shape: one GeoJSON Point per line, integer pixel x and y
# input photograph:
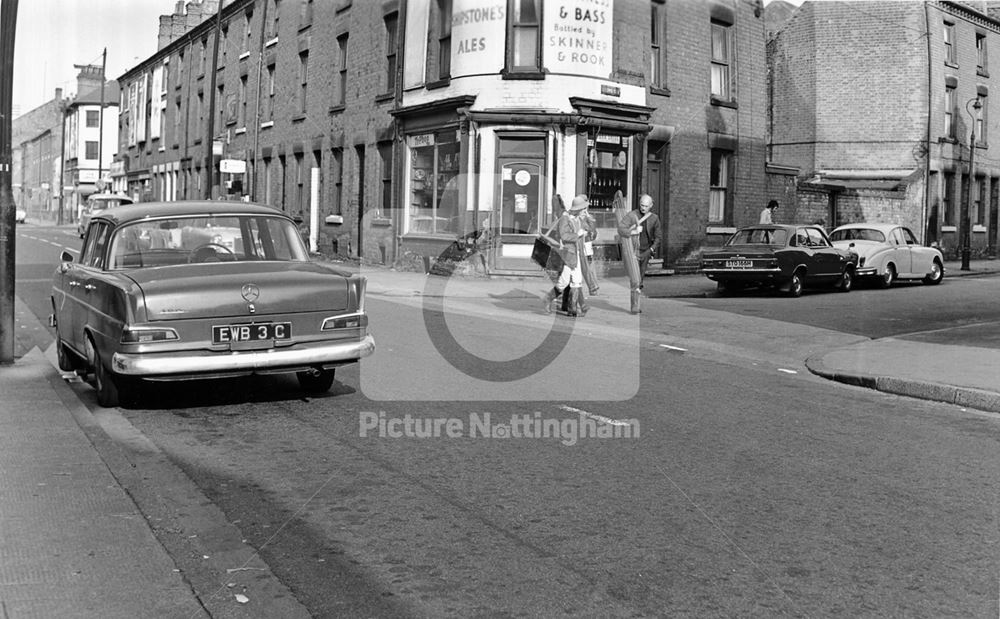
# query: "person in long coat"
{"type": "Point", "coordinates": [569, 231]}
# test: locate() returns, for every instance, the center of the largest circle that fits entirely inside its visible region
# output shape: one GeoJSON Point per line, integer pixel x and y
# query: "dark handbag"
{"type": "Point", "coordinates": [545, 256]}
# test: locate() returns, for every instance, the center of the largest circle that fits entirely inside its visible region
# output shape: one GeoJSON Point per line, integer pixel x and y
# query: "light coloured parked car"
{"type": "Point", "coordinates": [887, 252]}
{"type": "Point", "coordinates": [20, 215]}
{"type": "Point", "coordinates": [170, 291]}
{"type": "Point", "coordinates": [97, 203]}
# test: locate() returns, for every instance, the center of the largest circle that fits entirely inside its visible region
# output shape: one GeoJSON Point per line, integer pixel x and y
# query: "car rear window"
{"type": "Point", "coordinates": [858, 234]}
{"type": "Point", "coordinates": [759, 236]}
{"type": "Point", "coordinates": [186, 240]}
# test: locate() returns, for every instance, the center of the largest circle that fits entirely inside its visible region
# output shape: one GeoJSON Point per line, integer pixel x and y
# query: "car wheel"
{"type": "Point", "coordinates": [107, 391]}
{"type": "Point", "coordinates": [795, 284]}
{"type": "Point", "coordinates": [64, 359]}
{"type": "Point", "coordinates": [316, 381]}
{"type": "Point", "coordinates": [936, 274]}
{"type": "Point", "coordinates": [846, 281]}
{"type": "Point", "coordinates": [888, 276]}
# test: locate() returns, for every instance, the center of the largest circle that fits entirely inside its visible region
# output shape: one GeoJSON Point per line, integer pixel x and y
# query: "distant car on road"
{"type": "Point", "coordinates": [20, 215]}
{"type": "Point", "coordinates": [788, 257]}
{"type": "Point", "coordinates": [172, 291]}
{"type": "Point", "coordinates": [97, 203]}
{"type": "Point", "coordinates": [887, 252]}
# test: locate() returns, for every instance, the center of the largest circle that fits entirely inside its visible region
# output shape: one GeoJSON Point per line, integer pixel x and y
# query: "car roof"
{"type": "Point", "coordinates": [879, 227]}
{"type": "Point", "coordinates": [108, 196]}
{"type": "Point", "coordinates": [190, 208]}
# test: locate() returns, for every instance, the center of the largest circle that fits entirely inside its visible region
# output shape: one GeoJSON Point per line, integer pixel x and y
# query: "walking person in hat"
{"type": "Point", "coordinates": [569, 230]}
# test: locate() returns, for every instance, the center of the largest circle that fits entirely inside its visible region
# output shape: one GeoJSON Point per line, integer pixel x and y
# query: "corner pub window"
{"type": "Point", "coordinates": [434, 162]}
{"type": "Point", "coordinates": [607, 172]}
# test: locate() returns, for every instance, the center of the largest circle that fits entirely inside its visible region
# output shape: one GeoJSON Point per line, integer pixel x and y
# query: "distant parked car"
{"type": "Point", "coordinates": [888, 252]}
{"type": "Point", "coordinates": [97, 203]}
{"type": "Point", "coordinates": [20, 215]}
{"type": "Point", "coordinates": [169, 291]}
{"type": "Point", "coordinates": [783, 256]}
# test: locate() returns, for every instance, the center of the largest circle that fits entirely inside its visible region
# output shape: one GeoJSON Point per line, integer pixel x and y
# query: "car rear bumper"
{"type": "Point", "coordinates": [188, 364]}
{"type": "Point", "coordinates": [745, 275]}
{"type": "Point", "coordinates": [865, 272]}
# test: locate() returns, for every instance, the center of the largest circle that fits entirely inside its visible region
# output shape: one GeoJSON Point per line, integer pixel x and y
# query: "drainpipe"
{"type": "Point", "coordinates": [254, 173]}
{"type": "Point", "coordinates": [925, 209]}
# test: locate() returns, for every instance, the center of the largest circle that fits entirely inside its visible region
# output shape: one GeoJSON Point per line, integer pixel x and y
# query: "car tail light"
{"type": "Point", "coordinates": [348, 321]}
{"type": "Point", "coordinates": [143, 335]}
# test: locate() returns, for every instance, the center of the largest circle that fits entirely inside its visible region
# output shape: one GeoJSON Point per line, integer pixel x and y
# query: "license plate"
{"type": "Point", "coordinates": [739, 264]}
{"type": "Point", "coordinates": [224, 334]}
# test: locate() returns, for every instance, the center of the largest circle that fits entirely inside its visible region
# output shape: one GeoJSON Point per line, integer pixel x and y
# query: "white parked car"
{"type": "Point", "coordinates": [20, 215]}
{"type": "Point", "coordinates": [888, 252]}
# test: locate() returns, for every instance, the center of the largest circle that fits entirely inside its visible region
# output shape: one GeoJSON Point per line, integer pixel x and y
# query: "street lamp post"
{"type": "Point", "coordinates": [966, 241]}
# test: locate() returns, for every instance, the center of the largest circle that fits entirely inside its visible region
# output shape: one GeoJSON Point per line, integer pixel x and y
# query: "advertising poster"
{"type": "Point", "coordinates": [478, 32]}
{"type": "Point", "coordinates": [578, 37]}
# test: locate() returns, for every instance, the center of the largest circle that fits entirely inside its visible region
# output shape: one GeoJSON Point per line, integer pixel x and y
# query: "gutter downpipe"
{"type": "Point", "coordinates": [254, 173]}
{"type": "Point", "coordinates": [925, 225]}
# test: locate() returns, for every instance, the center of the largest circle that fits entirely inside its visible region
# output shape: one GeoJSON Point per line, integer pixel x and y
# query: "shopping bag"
{"type": "Point", "coordinates": [545, 255]}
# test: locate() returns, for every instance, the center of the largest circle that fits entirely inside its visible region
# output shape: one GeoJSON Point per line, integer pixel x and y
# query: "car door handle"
{"type": "Point", "coordinates": [89, 287]}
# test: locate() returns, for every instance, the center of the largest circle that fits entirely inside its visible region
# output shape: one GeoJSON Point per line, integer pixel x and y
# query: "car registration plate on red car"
{"type": "Point", "coordinates": [739, 264]}
{"type": "Point", "coordinates": [225, 334]}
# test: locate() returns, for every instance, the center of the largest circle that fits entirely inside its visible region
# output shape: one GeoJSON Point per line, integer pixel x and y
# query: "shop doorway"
{"type": "Point", "coordinates": [657, 185]}
{"type": "Point", "coordinates": [519, 212]}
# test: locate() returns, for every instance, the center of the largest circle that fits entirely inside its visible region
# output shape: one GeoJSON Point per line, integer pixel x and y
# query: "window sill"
{"type": "Point", "coordinates": [656, 90]}
{"type": "Point", "coordinates": [244, 55]}
{"type": "Point", "coordinates": [441, 83]}
{"type": "Point", "coordinates": [230, 123]}
{"type": "Point", "coordinates": [241, 130]}
{"type": "Point", "coordinates": [197, 141]}
{"type": "Point", "coordinates": [271, 43]}
{"type": "Point", "coordinates": [949, 228]}
{"type": "Point", "coordinates": [267, 125]}
{"type": "Point", "coordinates": [982, 73]}
{"type": "Point", "coordinates": [298, 118]}
{"type": "Point", "coordinates": [523, 75]}
{"type": "Point", "coordinates": [953, 65]}
{"type": "Point", "coordinates": [336, 109]}
{"type": "Point", "coordinates": [334, 220]}
{"type": "Point", "coordinates": [305, 27]}
{"type": "Point", "coordinates": [200, 77]}
{"type": "Point", "coordinates": [385, 97]}
{"type": "Point", "coordinates": [177, 86]}
{"type": "Point", "coordinates": [161, 149]}
{"type": "Point", "coordinates": [979, 228]}
{"type": "Point", "coordinates": [724, 103]}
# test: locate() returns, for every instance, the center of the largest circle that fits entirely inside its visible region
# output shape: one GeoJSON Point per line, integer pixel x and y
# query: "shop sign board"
{"type": "Point", "coordinates": [232, 166]}
{"type": "Point", "coordinates": [578, 37]}
{"type": "Point", "coordinates": [478, 32]}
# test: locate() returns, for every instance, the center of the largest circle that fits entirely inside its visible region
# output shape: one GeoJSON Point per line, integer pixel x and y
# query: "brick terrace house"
{"type": "Point", "coordinates": [505, 105]}
{"type": "Point", "coordinates": [91, 140]}
{"type": "Point", "coordinates": [35, 139]}
{"type": "Point", "coordinates": [874, 103]}
{"type": "Point", "coordinates": [420, 122]}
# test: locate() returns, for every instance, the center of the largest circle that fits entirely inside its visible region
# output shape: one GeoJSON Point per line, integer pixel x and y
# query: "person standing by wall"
{"type": "Point", "coordinates": [767, 215]}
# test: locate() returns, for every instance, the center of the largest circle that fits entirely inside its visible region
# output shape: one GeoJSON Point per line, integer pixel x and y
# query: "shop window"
{"type": "Point", "coordinates": [607, 172]}
{"type": "Point", "coordinates": [433, 204]}
{"type": "Point", "coordinates": [444, 39]}
{"type": "Point", "coordinates": [719, 186]}
{"type": "Point", "coordinates": [385, 159]}
{"type": "Point", "coordinates": [721, 60]}
{"type": "Point", "coordinates": [524, 33]}
{"type": "Point", "coordinates": [949, 112]}
{"type": "Point", "coordinates": [391, 42]}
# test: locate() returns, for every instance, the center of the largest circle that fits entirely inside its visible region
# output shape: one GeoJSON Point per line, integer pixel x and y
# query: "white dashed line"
{"type": "Point", "coordinates": [601, 418]}
{"type": "Point", "coordinates": [668, 347]}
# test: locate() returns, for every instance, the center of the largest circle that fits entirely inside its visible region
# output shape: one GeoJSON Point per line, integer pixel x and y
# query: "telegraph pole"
{"type": "Point", "coordinates": [100, 124]}
{"type": "Point", "coordinates": [8, 26]}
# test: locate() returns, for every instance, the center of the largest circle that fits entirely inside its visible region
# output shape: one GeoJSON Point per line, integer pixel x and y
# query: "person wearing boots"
{"type": "Point", "coordinates": [568, 231]}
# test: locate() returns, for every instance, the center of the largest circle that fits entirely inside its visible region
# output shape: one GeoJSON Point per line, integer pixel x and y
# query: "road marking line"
{"type": "Point", "coordinates": [787, 371]}
{"type": "Point", "coordinates": [668, 347]}
{"type": "Point", "coordinates": [601, 418]}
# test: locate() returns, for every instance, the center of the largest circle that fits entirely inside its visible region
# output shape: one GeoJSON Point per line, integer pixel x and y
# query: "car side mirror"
{"type": "Point", "coordinates": [66, 257]}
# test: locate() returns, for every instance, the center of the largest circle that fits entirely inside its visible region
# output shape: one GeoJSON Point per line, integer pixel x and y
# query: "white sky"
{"type": "Point", "coordinates": [53, 35]}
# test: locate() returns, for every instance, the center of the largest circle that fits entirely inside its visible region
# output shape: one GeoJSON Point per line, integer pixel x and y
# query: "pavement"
{"type": "Point", "coordinates": [74, 543]}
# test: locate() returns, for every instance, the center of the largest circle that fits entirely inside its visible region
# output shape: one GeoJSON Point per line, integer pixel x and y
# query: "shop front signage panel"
{"type": "Point", "coordinates": [478, 32]}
